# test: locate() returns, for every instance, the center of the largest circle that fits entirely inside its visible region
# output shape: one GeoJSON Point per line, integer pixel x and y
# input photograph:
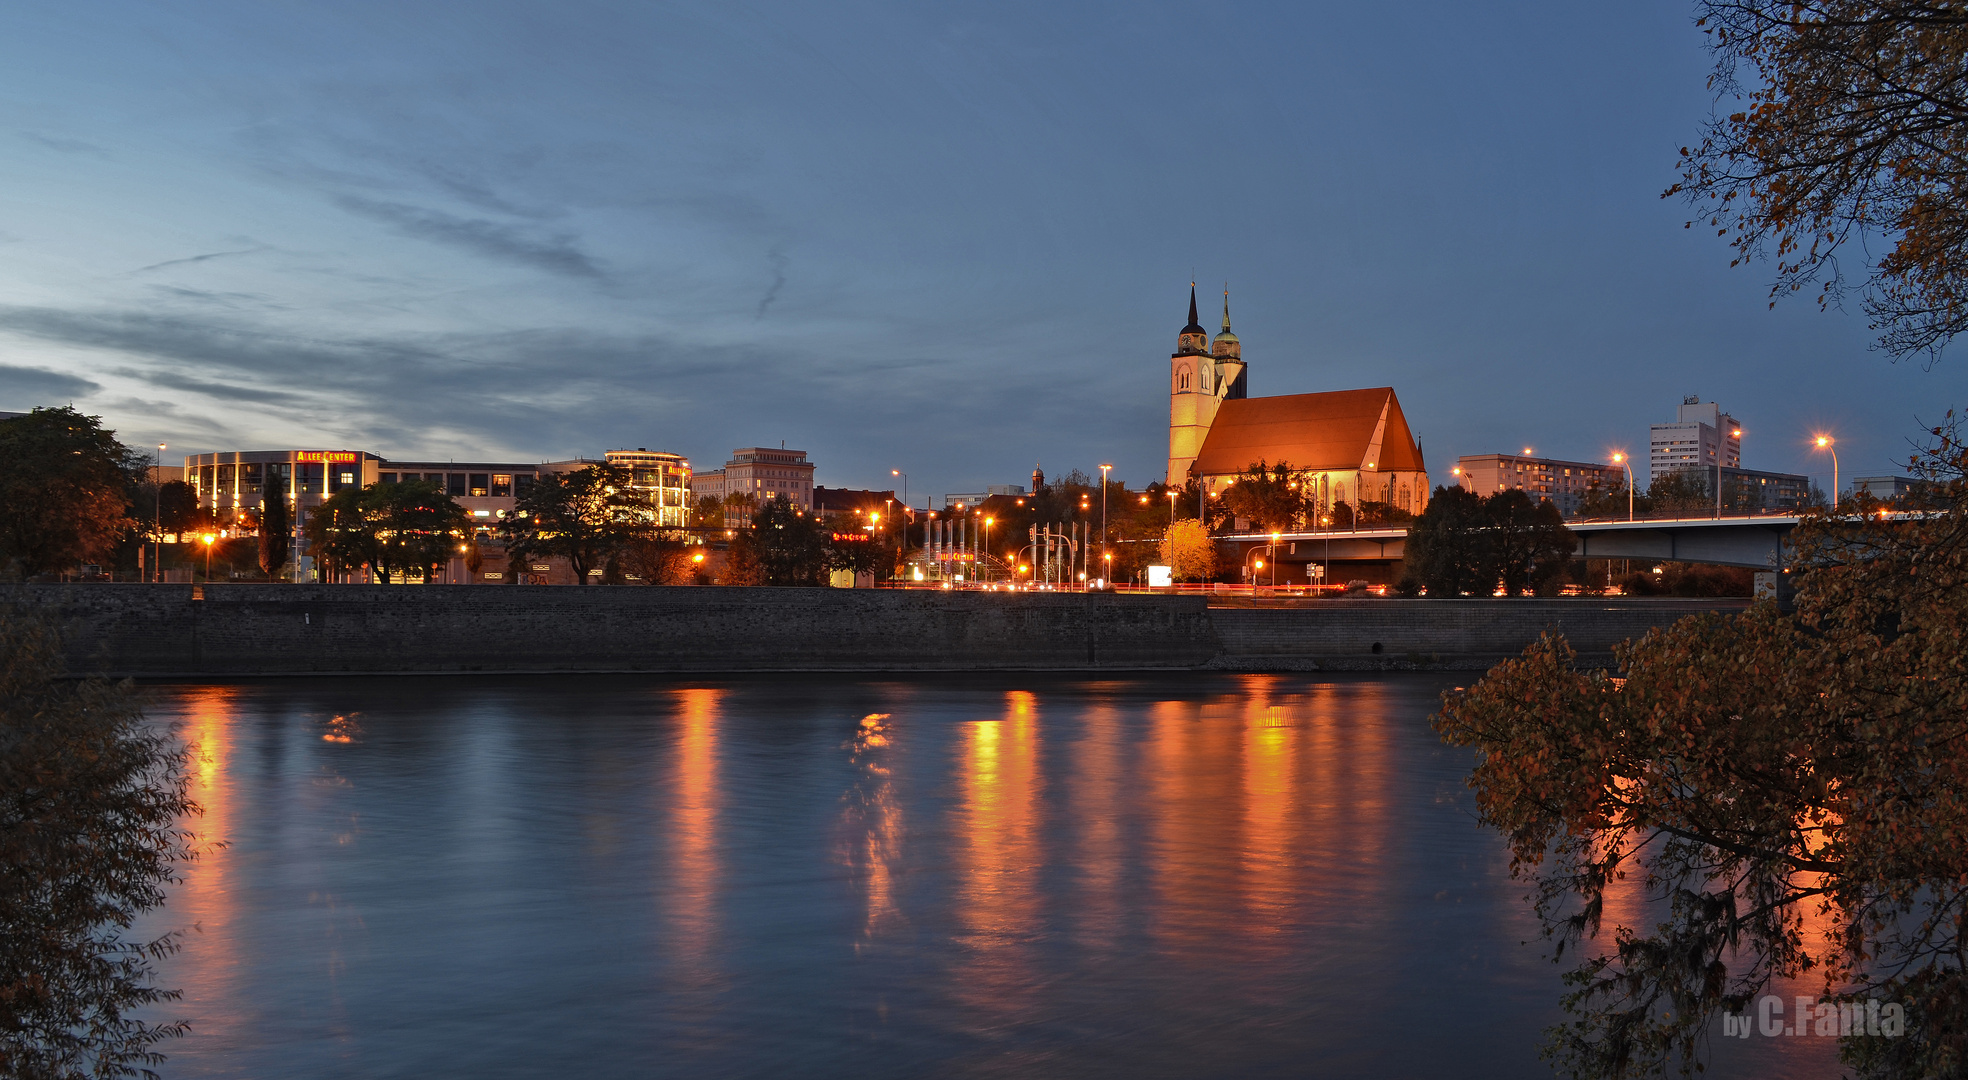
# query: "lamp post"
{"type": "Point", "coordinates": [1826, 442]}
{"type": "Point", "coordinates": [986, 566]}
{"type": "Point", "coordinates": [1620, 459]}
{"type": "Point", "coordinates": [905, 484]}
{"type": "Point", "coordinates": [157, 517]}
{"type": "Point", "coordinates": [1325, 568]}
{"type": "Point", "coordinates": [1275, 537]}
{"type": "Point", "coordinates": [208, 538]}
{"type": "Point", "coordinates": [1103, 508]}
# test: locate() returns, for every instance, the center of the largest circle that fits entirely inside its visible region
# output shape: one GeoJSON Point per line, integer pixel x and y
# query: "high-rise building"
{"type": "Point", "coordinates": [1701, 437]}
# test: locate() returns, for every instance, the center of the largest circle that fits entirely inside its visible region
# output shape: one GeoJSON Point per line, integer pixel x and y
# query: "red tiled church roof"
{"type": "Point", "coordinates": [1331, 431]}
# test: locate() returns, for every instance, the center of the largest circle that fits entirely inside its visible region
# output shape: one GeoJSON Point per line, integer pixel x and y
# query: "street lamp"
{"type": "Point", "coordinates": [988, 522]}
{"type": "Point", "coordinates": [1826, 442]}
{"type": "Point", "coordinates": [1275, 537]}
{"type": "Point", "coordinates": [1620, 459]}
{"type": "Point", "coordinates": [1325, 568]}
{"type": "Point", "coordinates": [905, 484]}
{"type": "Point", "coordinates": [157, 517]}
{"type": "Point", "coordinates": [208, 538]}
{"type": "Point", "coordinates": [1103, 507]}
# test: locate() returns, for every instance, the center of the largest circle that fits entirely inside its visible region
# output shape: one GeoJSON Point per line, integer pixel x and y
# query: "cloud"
{"type": "Point", "coordinates": [778, 258]}
{"type": "Point", "coordinates": [65, 146]}
{"type": "Point", "coordinates": [196, 259]}
{"type": "Point", "coordinates": [556, 254]}
{"type": "Point", "coordinates": [223, 391]}
{"type": "Point", "coordinates": [22, 388]}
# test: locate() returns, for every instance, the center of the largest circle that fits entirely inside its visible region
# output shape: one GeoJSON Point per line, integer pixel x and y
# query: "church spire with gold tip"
{"type": "Point", "coordinates": [1226, 346]}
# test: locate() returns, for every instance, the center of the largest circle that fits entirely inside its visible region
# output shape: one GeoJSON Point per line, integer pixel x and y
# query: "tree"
{"type": "Point", "coordinates": [1269, 496]}
{"type": "Point", "coordinates": [579, 516]}
{"type": "Point", "coordinates": [1189, 551]}
{"type": "Point", "coordinates": [1528, 542]}
{"type": "Point", "coordinates": [344, 532]}
{"type": "Point", "coordinates": [274, 524]}
{"type": "Point", "coordinates": [1762, 775]}
{"type": "Point", "coordinates": [1680, 492]}
{"type": "Point", "coordinates": [790, 545]}
{"type": "Point", "coordinates": [1854, 122]}
{"type": "Point", "coordinates": [1448, 548]}
{"type": "Point", "coordinates": [65, 494]}
{"type": "Point", "coordinates": [91, 801]}
{"type": "Point", "coordinates": [650, 558]}
{"type": "Point", "coordinates": [417, 526]}
{"type": "Point", "coordinates": [862, 552]}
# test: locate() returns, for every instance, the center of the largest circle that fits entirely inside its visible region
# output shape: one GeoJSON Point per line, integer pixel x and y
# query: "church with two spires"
{"type": "Point", "coordinates": [1351, 446]}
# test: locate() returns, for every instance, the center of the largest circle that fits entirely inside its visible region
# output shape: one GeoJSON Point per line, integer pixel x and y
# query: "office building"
{"type": "Point", "coordinates": [976, 498]}
{"type": "Point", "coordinates": [1701, 437]}
{"type": "Point", "coordinates": [662, 478]}
{"type": "Point", "coordinates": [758, 473]}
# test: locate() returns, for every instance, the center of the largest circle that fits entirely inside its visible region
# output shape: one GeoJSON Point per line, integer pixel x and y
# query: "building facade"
{"type": "Point", "coordinates": [976, 498]}
{"type": "Point", "coordinates": [662, 478]}
{"type": "Point", "coordinates": [759, 473]}
{"type": "Point", "coordinates": [1202, 376]}
{"type": "Point", "coordinates": [1564, 483]}
{"type": "Point", "coordinates": [1702, 436]}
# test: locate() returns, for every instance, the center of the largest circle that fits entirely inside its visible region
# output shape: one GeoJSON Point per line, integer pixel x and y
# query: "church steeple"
{"type": "Point", "coordinates": [1226, 346]}
{"type": "Point", "coordinates": [1192, 338]}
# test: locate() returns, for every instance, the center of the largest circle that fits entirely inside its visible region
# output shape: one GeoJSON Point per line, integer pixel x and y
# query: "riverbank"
{"type": "Point", "coordinates": [226, 630]}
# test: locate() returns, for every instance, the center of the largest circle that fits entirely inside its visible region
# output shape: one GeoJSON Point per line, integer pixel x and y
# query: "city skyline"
{"type": "Point", "coordinates": [894, 238]}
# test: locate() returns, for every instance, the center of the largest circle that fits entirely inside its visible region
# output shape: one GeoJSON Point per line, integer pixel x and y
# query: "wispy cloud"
{"type": "Point", "coordinates": [65, 146]}
{"type": "Point", "coordinates": [196, 259]}
{"type": "Point", "coordinates": [24, 387]}
{"type": "Point", "coordinates": [778, 258]}
{"type": "Point", "coordinates": [223, 391]}
{"type": "Point", "coordinates": [555, 254]}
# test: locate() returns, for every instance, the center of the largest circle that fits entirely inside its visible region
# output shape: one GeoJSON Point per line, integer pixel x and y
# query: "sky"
{"type": "Point", "coordinates": [953, 240]}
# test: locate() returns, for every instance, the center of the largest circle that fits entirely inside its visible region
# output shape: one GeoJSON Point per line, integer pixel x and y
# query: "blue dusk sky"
{"type": "Point", "coordinates": [953, 239]}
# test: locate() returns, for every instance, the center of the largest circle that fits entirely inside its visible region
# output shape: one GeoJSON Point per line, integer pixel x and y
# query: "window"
{"type": "Point", "coordinates": [481, 484]}
{"type": "Point", "coordinates": [308, 478]}
{"type": "Point", "coordinates": [522, 483]}
{"type": "Point", "coordinates": [251, 477]}
{"type": "Point", "coordinates": [456, 485]}
{"type": "Point", "coordinates": [501, 485]}
{"type": "Point", "coordinates": [386, 478]}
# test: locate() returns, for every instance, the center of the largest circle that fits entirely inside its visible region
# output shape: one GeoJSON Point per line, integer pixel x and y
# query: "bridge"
{"type": "Point", "coordinates": [1756, 542]}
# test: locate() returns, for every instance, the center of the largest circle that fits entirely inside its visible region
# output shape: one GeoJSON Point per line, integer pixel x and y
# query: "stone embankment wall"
{"type": "Point", "coordinates": [181, 630]}
{"type": "Point", "coordinates": [1340, 635]}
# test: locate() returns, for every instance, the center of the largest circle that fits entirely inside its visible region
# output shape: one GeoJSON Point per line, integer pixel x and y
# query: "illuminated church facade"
{"type": "Point", "coordinates": [1350, 446]}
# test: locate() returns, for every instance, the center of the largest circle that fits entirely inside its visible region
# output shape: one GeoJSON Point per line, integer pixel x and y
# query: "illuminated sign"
{"type": "Point", "coordinates": [327, 455]}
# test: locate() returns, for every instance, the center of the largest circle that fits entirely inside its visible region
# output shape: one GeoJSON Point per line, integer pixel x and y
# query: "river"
{"type": "Point", "coordinates": [1003, 875]}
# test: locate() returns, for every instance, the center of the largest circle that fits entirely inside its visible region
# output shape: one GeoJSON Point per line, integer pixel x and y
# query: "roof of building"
{"type": "Point", "coordinates": [1344, 429]}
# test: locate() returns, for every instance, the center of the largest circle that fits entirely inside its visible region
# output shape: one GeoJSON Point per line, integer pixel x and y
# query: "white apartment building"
{"type": "Point", "coordinates": [1701, 437]}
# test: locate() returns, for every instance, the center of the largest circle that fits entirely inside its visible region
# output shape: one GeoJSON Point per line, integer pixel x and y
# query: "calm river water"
{"type": "Point", "coordinates": [1001, 875]}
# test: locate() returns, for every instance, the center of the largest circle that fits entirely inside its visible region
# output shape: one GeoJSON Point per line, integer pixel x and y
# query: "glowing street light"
{"type": "Point", "coordinates": [1104, 469]}
{"type": "Point", "coordinates": [208, 538]}
{"type": "Point", "coordinates": [1620, 459]}
{"type": "Point", "coordinates": [1826, 442]}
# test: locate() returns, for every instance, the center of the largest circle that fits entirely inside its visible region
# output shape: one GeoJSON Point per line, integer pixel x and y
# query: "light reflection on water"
{"type": "Point", "coordinates": [968, 875]}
